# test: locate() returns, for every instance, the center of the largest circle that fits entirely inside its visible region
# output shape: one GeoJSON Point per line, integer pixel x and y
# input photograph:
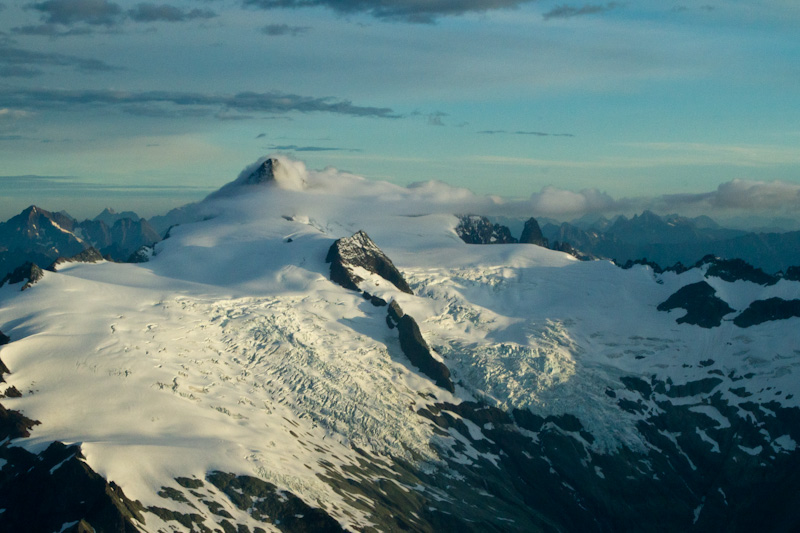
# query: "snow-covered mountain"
{"type": "Point", "coordinates": [40, 236]}
{"type": "Point", "coordinates": [319, 352]}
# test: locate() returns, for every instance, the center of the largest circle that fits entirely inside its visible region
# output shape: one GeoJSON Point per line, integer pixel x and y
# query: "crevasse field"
{"type": "Point", "coordinates": [231, 350]}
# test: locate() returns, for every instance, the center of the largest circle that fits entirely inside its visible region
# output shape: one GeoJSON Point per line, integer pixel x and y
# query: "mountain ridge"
{"type": "Point", "coordinates": [240, 386]}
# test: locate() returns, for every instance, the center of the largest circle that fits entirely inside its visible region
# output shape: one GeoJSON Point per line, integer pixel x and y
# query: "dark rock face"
{"type": "Point", "coordinates": [89, 255]}
{"type": "Point", "coordinates": [374, 300]}
{"type": "Point", "coordinates": [267, 504]}
{"type": "Point", "coordinates": [678, 268]}
{"type": "Point", "coordinates": [568, 249]}
{"type": "Point", "coordinates": [14, 425]}
{"type": "Point", "coordinates": [41, 231]}
{"type": "Point", "coordinates": [41, 237]}
{"type": "Point", "coordinates": [734, 270]}
{"type": "Point", "coordinates": [532, 233]}
{"type": "Point", "coordinates": [792, 273]}
{"type": "Point", "coordinates": [474, 229]}
{"type": "Point", "coordinates": [695, 475]}
{"type": "Point", "coordinates": [703, 307]}
{"type": "Point", "coordinates": [142, 255]}
{"type": "Point", "coordinates": [43, 492]}
{"type": "Point", "coordinates": [416, 349]}
{"type": "Point", "coordinates": [767, 310]}
{"type": "Point", "coordinates": [270, 172]}
{"type": "Point", "coordinates": [360, 251]}
{"type": "Point", "coordinates": [4, 339]}
{"type": "Point", "coordinates": [264, 173]}
{"type": "Point", "coordinates": [30, 273]}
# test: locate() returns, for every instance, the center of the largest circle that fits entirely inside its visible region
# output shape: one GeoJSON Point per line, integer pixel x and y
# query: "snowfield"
{"type": "Point", "coordinates": [231, 350]}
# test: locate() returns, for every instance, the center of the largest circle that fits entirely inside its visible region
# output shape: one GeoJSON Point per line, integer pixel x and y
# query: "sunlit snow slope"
{"type": "Point", "coordinates": [231, 351]}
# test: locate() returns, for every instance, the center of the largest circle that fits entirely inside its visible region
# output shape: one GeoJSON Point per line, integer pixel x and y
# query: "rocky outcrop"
{"type": "Point", "coordinates": [266, 503]}
{"type": "Point", "coordinates": [767, 310]}
{"type": "Point", "coordinates": [735, 270]}
{"type": "Point", "coordinates": [532, 233]}
{"type": "Point", "coordinates": [142, 255]}
{"type": "Point", "coordinates": [264, 173]}
{"type": "Point", "coordinates": [703, 307]}
{"type": "Point", "coordinates": [67, 491]}
{"type": "Point", "coordinates": [29, 273]}
{"type": "Point", "coordinates": [89, 255]}
{"type": "Point", "coordinates": [269, 171]}
{"type": "Point", "coordinates": [416, 349]}
{"type": "Point", "coordinates": [348, 253]}
{"type": "Point", "coordinates": [568, 249]}
{"type": "Point", "coordinates": [474, 229]}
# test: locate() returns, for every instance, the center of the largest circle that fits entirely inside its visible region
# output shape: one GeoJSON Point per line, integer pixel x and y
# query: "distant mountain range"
{"type": "Point", "coordinates": [674, 239]}
{"type": "Point", "coordinates": [39, 236]}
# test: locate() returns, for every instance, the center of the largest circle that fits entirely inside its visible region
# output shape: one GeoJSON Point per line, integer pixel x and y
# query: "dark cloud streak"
{"type": "Point", "coordinates": [147, 12]}
{"type": "Point", "coordinates": [26, 183]}
{"type": "Point", "coordinates": [277, 30]}
{"type": "Point", "coordinates": [414, 11]}
{"type": "Point", "coordinates": [18, 62]}
{"type": "Point", "coordinates": [68, 12]}
{"type": "Point", "coordinates": [151, 103]}
{"type": "Point", "coordinates": [295, 148]}
{"type": "Point", "coordinates": [50, 30]}
{"type": "Point", "coordinates": [533, 133]}
{"type": "Point", "coordinates": [566, 11]}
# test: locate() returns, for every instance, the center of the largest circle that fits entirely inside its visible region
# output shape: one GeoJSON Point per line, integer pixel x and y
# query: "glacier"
{"type": "Point", "coordinates": [231, 351]}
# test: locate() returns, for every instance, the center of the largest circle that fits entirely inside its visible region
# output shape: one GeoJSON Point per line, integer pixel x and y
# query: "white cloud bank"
{"type": "Point", "coordinates": [737, 197]}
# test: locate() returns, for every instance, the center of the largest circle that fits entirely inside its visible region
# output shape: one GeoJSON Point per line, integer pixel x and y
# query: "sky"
{"type": "Point", "coordinates": [579, 107]}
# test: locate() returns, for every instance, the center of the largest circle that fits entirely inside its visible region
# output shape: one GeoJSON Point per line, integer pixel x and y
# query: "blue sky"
{"type": "Point", "coordinates": [671, 105]}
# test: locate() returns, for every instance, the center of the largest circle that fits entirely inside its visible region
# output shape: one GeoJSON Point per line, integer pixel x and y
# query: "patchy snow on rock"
{"type": "Point", "coordinates": [231, 349]}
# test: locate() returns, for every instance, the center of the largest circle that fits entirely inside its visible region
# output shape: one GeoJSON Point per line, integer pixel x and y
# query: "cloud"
{"type": "Point", "coordinates": [18, 62]}
{"type": "Point", "coordinates": [68, 12]}
{"type": "Point", "coordinates": [534, 133]}
{"type": "Point", "coordinates": [559, 202]}
{"type": "Point", "coordinates": [166, 103]}
{"type": "Point", "coordinates": [296, 148]}
{"type": "Point", "coordinates": [741, 194]}
{"type": "Point", "coordinates": [566, 11]}
{"type": "Point", "coordinates": [415, 11]}
{"type": "Point", "coordinates": [147, 12]}
{"type": "Point", "coordinates": [435, 118]}
{"type": "Point", "coordinates": [12, 114]}
{"type": "Point", "coordinates": [23, 184]}
{"type": "Point", "coordinates": [50, 30]}
{"type": "Point", "coordinates": [276, 30]}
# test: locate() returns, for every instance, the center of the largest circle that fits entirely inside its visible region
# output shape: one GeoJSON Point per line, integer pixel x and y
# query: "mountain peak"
{"type": "Point", "coordinates": [273, 171]}
{"type": "Point", "coordinates": [110, 216]}
{"type": "Point", "coordinates": [265, 172]}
